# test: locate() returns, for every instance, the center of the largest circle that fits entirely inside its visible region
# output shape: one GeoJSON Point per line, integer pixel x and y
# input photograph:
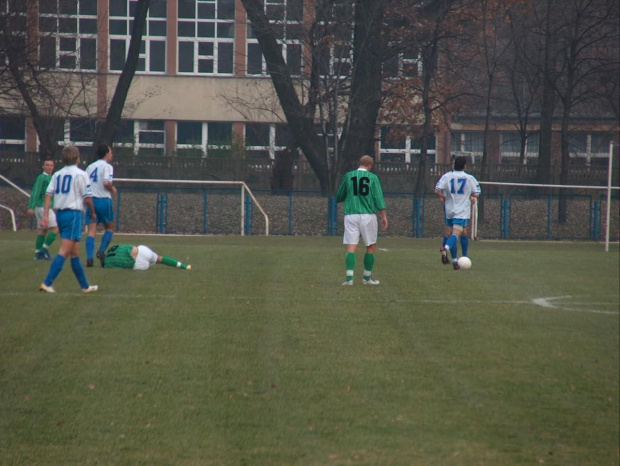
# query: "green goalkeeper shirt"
{"type": "Point", "coordinates": [119, 257]}
{"type": "Point", "coordinates": [37, 196]}
{"type": "Point", "coordinates": [361, 192]}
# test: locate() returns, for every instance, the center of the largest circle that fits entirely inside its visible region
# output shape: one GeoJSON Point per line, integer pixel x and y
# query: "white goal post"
{"type": "Point", "coordinates": [241, 184]}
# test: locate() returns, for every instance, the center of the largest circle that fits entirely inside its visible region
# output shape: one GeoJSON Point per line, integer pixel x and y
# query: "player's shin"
{"type": "Point", "coordinates": [105, 241]}
{"type": "Point", "coordinates": [55, 268]}
{"type": "Point", "coordinates": [349, 261]}
{"type": "Point", "coordinates": [170, 262]}
{"type": "Point", "coordinates": [465, 244]}
{"type": "Point", "coordinates": [90, 247]}
{"type": "Point", "coordinates": [79, 273]}
{"type": "Point", "coordinates": [369, 262]}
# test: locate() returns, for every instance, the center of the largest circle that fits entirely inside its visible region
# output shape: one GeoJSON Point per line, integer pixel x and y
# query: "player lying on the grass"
{"type": "Point", "coordinates": [128, 256]}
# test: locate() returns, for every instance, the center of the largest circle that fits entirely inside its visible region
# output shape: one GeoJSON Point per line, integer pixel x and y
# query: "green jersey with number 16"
{"type": "Point", "coordinates": [361, 192]}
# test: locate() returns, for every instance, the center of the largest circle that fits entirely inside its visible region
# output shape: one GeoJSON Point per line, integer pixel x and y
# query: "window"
{"type": "Point", "coordinates": [286, 18]}
{"type": "Point", "coordinates": [468, 143]}
{"type": "Point", "coordinates": [68, 34]}
{"type": "Point", "coordinates": [335, 21]}
{"type": "Point", "coordinates": [82, 131]}
{"type": "Point", "coordinates": [510, 149]}
{"type": "Point", "coordinates": [194, 137]}
{"type": "Point", "coordinates": [152, 56]}
{"type": "Point", "coordinates": [12, 134]}
{"type": "Point", "coordinates": [395, 145]}
{"type": "Point", "coordinates": [206, 36]}
{"type": "Point", "coordinates": [264, 140]}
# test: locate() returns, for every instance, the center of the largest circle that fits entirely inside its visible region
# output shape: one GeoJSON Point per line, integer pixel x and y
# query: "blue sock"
{"type": "Point", "coordinates": [90, 247]}
{"type": "Point", "coordinates": [105, 241]}
{"type": "Point", "coordinates": [55, 268]}
{"type": "Point", "coordinates": [78, 271]}
{"type": "Point", "coordinates": [451, 245]}
{"type": "Point", "coordinates": [465, 244]}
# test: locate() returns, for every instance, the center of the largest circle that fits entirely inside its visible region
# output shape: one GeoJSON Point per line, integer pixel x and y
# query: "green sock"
{"type": "Point", "coordinates": [38, 245]}
{"type": "Point", "coordinates": [50, 238]}
{"type": "Point", "coordinates": [369, 262]}
{"type": "Point", "coordinates": [350, 265]}
{"type": "Point", "coordinates": [170, 262]}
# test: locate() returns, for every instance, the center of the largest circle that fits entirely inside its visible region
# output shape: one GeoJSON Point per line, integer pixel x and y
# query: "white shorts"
{"type": "Point", "coordinates": [360, 224]}
{"type": "Point", "coordinates": [145, 258]}
{"type": "Point", "coordinates": [38, 213]}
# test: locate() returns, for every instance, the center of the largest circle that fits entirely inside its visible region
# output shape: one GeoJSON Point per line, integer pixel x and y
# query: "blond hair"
{"type": "Point", "coordinates": [70, 155]}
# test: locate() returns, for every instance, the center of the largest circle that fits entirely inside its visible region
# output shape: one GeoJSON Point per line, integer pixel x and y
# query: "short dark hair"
{"type": "Point", "coordinates": [102, 150]}
{"type": "Point", "coordinates": [459, 163]}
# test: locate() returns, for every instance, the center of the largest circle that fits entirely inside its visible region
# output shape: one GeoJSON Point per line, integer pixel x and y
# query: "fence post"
{"type": "Point", "coordinates": [594, 229]}
{"type": "Point", "coordinates": [505, 219]}
{"type": "Point", "coordinates": [162, 213]}
{"type": "Point", "coordinates": [248, 215]}
{"type": "Point", "coordinates": [549, 215]}
{"type": "Point", "coordinates": [205, 211]}
{"type": "Point", "coordinates": [118, 208]}
{"type": "Point", "coordinates": [290, 213]}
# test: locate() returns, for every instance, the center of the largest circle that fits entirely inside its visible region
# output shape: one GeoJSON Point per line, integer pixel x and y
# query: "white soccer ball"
{"type": "Point", "coordinates": [465, 262]}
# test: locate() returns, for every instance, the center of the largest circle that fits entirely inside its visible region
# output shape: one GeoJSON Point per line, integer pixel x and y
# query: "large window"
{"type": "Point", "coordinates": [467, 143]}
{"type": "Point", "coordinates": [264, 140]}
{"type": "Point", "coordinates": [397, 146]}
{"type": "Point", "coordinates": [152, 57]}
{"type": "Point", "coordinates": [286, 18]}
{"type": "Point", "coordinates": [68, 34]}
{"type": "Point", "coordinates": [510, 150]}
{"type": "Point", "coordinates": [206, 36]}
{"type": "Point", "coordinates": [12, 134]}
{"type": "Point", "coordinates": [204, 139]}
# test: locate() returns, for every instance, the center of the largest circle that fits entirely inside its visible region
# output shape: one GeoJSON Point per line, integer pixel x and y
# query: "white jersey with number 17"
{"type": "Point", "coordinates": [458, 187]}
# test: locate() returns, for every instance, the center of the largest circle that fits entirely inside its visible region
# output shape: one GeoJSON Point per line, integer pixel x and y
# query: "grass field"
{"type": "Point", "coordinates": [259, 356]}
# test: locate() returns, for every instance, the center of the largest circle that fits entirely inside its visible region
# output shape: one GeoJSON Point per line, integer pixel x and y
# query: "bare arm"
{"type": "Point", "coordinates": [383, 218]}
{"type": "Point", "coordinates": [46, 211]}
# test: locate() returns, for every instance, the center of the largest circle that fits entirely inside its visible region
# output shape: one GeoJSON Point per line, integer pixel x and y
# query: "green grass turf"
{"type": "Point", "coordinates": [259, 356]}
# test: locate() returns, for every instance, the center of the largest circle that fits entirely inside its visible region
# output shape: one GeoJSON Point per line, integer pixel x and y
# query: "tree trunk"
{"type": "Point", "coordinates": [548, 103]}
{"type": "Point", "coordinates": [106, 130]}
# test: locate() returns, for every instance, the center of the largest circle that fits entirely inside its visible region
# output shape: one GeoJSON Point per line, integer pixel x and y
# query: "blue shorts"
{"type": "Point", "coordinates": [457, 221]}
{"type": "Point", "coordinates": [69, 224]}
{"type": "Point", "coordinates": [103, 209]}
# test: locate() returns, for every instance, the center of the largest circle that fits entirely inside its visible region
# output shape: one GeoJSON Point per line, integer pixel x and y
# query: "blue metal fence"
{"type": "Point", "coordinates": [217, 211]}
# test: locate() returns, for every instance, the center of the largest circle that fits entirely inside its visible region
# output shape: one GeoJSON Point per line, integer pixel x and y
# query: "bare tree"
{"type": "Point", "coordinates": [107, 129]}
{"type": "Point", "coordinates": [345, 102]}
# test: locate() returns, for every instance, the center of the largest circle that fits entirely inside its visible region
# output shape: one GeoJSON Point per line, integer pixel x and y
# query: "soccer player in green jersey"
{"type": "Point", "coordinates": [360, 190]}
{"type": "Point", "coordinates": [46, 236]}
{"type": "Point", "coordinates": [128, 256]}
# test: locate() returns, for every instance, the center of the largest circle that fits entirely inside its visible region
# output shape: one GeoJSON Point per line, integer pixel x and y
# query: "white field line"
{"type": "Point", "coordinates": [100, 293]}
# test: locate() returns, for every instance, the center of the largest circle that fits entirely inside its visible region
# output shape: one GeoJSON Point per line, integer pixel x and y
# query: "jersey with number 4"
{"type": "Point", "coordinates": [458, 187]}
{"type": "Point", "coordinates": [69, 187]}
{"type": "Point", "coordinates": [100, 172]}
{"type": "Point", "coordinates": [361, 192]}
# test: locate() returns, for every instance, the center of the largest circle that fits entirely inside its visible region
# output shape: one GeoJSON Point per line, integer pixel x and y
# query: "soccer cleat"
{"type": "Point", "coordinates": [456, 265]}
{"type": "Point", "coordinates": [47, 289]}
{"type": "Point", "coordinates": [348, 283]}
{"type": "Point", "coordinates": [90, 289]}
{"type": "Point", "coordinates": [38, 256]}
{"type": "Point", "coordinates": [101, 257]}
{"type": "Point", "coordinates": [444, 256]}
{"type": "Point", "coordinates": [89, 262]}
{"type": "Point", "coordinates": [370, 281]}
{"type": "Point", "coordinates": [46, 255]}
